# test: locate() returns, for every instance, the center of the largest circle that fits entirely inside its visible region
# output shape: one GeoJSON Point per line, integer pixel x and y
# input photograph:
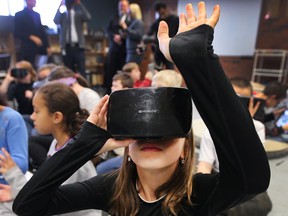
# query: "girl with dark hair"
{"type": "Point", "coordinates": [156, 177]}
{"type": "Point", "coordinates": [57, 112]}
{"type": "Point", "coordinates": [88, 98]}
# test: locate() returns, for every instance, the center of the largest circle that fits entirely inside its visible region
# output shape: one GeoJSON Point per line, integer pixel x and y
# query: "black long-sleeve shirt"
{"type": "Point", "coordinates": [244, 168]}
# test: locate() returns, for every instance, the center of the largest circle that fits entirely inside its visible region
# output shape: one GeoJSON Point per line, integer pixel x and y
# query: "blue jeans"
{"type": "Point", "coordinates": [109, 165]}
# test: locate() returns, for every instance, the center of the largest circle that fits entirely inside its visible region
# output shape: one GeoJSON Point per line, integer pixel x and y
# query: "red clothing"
{"type": "Point", "coordinates": [142, 83]}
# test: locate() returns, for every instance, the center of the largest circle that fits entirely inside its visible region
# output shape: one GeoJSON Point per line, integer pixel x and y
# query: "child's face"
{"type": "Point", "coordinates": [135, 74]}
{"type": "Point", "coordinates": [41, 117]}
{"type": "Point", "coordinates": [246, 92]}
{"type": "Point", "coordinates": [42, 74]}
{"type": "Point", "coordinates": [157, 154]}
{"type": "Point", "coordinates": [116, 85]}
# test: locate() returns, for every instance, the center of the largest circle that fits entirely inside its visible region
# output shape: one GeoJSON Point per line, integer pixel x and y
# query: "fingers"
{"type": "Point", "coordinates": [4, 186]}
{"type": "Point", "coordinates": [114, 144]}
{"type": "Point", "coordinates": [213, 20]}
{"type": "Point", "coordinates": [251, 103]}
{"type": "Point", "coordinates": [104, 108]}
{"type": "Point", "coordinates": [191, 17]}
{"type": "Point", "coordinates": [163, 37]}
{"type": "Point", "coordinates": [253, 107]}
{"type": "Point", "coordinates": [201, 11]}
{"type": "Point", "coordinates": [100, 104]}
{"type": "Point", "coordinates": [256, 107]}
{"type": "Point", "coordinates": [6, 154]}
{"type": "Point", "coordinates": [163, 31]}
{"type": "Point", "coordinates": [182, 23]}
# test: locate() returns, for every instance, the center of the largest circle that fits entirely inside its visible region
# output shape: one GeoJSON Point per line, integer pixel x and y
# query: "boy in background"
{"type": "Point", "coordinates": [133, 70]}
{"type": "Point", "coordinates": [121, 81]}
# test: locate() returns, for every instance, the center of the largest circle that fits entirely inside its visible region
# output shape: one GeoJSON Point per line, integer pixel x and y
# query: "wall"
{"type": "Point", "coordinates": [101, 12]}
{"type": "Point", "coordinates": [236, 31]}
{"type": "Point", "coordinates": [273, 26]}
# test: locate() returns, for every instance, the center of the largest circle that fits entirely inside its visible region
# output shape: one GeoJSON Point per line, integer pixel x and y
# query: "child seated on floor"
{"type": "Point", "coordinates": [133, 70]}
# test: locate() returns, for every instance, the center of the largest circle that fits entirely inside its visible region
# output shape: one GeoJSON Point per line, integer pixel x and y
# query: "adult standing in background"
{"type": "Point", "coordinates": [117, 44]}
{"type": "Point", "coordinates": [134, 32]}
{"type": "Point", "coordinates": [72, 40]}
{"type": "Point", "coordinates": [163, 14]}
{"type": "Point", "coordinates": [29, 29]}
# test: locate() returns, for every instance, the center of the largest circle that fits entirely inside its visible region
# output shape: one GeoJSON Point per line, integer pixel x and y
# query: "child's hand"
{"type": "Point", "coordinates": [5, 193]}
{"type": "Point", "coordinates": [112, 144]}
{"type": "Point", "coordinates": [98, 115]}
{"type": "Point", "coordinates": [6, 162]}
{"type": "Point", "coordinates": [186, 23]}
{"type": "Point", "coordinates": [253, 108]}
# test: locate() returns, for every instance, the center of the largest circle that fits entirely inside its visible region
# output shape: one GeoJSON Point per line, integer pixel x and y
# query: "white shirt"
{"type": "Point", "coordinates": [72, 28]}
{"type": "Point", "coordinates": [207, 149]}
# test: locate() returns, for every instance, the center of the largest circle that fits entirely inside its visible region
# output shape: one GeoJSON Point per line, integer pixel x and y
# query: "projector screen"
{"type": "Point", "coordinates": [236, 31]}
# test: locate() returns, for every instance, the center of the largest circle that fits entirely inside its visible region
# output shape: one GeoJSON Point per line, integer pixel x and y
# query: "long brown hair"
{"type": "Point", "coordinates": [125, 200]}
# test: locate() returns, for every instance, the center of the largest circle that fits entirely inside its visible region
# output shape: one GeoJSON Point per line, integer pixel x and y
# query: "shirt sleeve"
{"type": "Point", "coordinates": [207, 151]}
{"type": "Point", "coordinates": [136, 30]}
{"type": "Point", "coordinates": [17, 141]}
{"type": "Point", "coordinates": [43, 195]}
{"type": "Point", "coordinates": [244, 168]}
{"type": "Point", "coordinates": [16, 180]}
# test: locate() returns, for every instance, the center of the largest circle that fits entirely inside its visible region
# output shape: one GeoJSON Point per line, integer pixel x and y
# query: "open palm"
{"type": "Point", "coordinates": [186, 23]}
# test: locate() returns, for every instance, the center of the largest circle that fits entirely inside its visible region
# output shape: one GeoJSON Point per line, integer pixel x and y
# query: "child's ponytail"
{"type": "Point", "coordinates": [77, 122]}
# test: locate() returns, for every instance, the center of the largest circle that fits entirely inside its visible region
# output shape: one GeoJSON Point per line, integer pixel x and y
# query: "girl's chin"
{"type": "Point", "coordinates": [151, 164]}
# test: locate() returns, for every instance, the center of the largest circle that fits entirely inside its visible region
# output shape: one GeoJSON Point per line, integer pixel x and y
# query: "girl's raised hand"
{"type": "Point", "coordinates": [186, 23]}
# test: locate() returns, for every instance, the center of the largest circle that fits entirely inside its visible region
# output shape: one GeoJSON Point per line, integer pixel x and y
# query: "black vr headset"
{"type": "Point", "coordinates": [149, 113]}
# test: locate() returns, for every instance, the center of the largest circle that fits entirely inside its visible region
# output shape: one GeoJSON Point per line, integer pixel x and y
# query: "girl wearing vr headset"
{"type": "Point", "coordinates": [156, 176]}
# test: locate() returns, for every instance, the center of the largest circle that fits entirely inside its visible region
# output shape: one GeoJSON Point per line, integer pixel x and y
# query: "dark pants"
{"type": "Point", "coordinates": [38, 149]}
{"type": "Point", "coordinates": [28, 56]}
{"type": "Point", "coordinates": [115, 62]}
{"type": "Point", "coordinates": [74, 58]}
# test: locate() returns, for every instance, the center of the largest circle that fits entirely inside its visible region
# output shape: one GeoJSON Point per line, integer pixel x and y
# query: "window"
{"type": "Point", "coordinates": [47, 10]}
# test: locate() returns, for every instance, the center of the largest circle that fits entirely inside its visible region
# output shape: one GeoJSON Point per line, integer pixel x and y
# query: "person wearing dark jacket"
{"type": "Point", "coordinates": [161, 62]}
{"type": "Point", "coordinates": [72, 40]}
{"type": "Point", "coordinates": [117, 42]}
{"type": "Point", "coordinates": [30, 31]}
{"type": "Point", "coordinates": [156, 177]}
